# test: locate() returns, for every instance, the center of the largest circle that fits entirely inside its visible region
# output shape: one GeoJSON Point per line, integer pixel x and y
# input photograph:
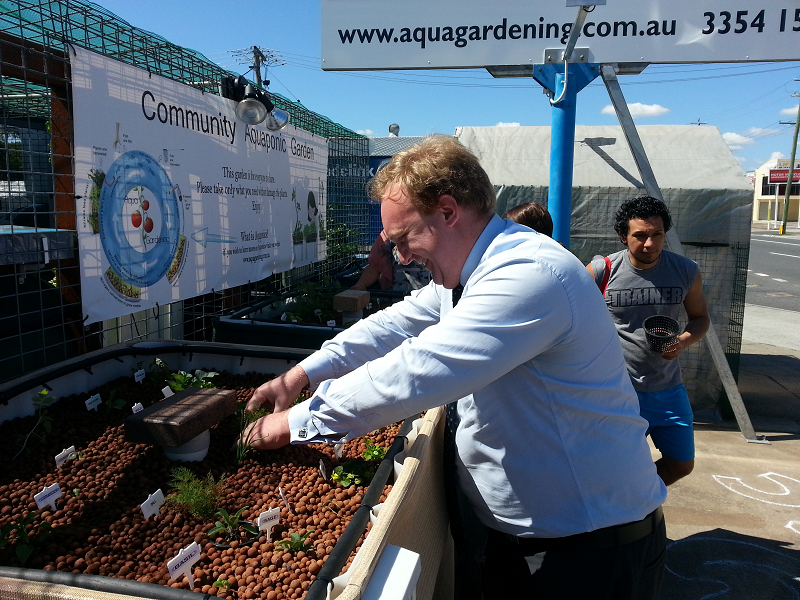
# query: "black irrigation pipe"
{"type": "Point", "coordinates": [41, 377]}
{"type": "Point", "coordinates": [337, 559]}
{"type": "Point", "coordinates": [101, 583]}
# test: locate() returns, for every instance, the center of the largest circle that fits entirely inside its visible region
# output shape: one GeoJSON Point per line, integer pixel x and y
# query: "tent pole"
{"type": "Point", "coordinates": [651, 186]}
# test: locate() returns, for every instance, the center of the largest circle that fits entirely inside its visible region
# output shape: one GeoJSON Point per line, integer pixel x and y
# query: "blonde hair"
{"type": "Point", "coordinates": [438, 165]}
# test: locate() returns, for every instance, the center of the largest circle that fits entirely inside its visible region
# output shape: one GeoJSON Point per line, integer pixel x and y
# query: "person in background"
{"type": "Point", "coordinates": [385, 269]}
{"type": "Point", "coordinates": [532, 215]}
{"type": "Point", "coordinates": [644, 280]}
{"type": "Point", "coordinates": [513, 338]}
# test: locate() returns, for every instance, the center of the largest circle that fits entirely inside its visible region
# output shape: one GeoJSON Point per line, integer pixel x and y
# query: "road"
{"type": "Point", "coordinates": [773, 277]}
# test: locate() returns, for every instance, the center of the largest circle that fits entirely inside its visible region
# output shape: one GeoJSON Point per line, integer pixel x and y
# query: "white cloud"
{"type": "Point", "coordinates": [365, 131]}
{"type": "Point", "coordinates": [735, 141]}
{"type": "Point", "coordinates": [776, 156]}
{"type": "Point", "coordinates": [639, 110]}
{"type": "Point", "coordinates": [789, 111]}
{"type": "Point", "coordinates": [755, 132]}
{"type": "Point", "coordinates": [501, 124]}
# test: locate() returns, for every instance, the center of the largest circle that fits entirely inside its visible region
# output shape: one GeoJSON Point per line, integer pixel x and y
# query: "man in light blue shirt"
{"type": "Point", "coordinates": [551, 452]}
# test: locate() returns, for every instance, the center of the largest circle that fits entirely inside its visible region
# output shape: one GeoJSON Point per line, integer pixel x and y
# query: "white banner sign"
{"type": "Point", "coordinates": [176, 197]}
{"type": "Point", "coordinates": [436, 34]}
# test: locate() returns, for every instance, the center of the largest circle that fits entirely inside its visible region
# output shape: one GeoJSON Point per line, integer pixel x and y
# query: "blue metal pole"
{"type": "Point", "coordinates": [562, 152]}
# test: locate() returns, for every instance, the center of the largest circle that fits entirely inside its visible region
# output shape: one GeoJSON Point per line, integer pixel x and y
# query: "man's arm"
{"type": "Point", "coordinates": [368, 276]}
{"type": "Point", "coordinates": [699, 321]}
{"type": "Point", "coordinates": [281, 392]}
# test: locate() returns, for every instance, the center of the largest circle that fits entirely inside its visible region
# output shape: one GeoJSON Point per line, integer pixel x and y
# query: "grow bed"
{"type": "Point", "coordinates": [99, 528]}
{"type": "Point", "coordinates": [264, 324]}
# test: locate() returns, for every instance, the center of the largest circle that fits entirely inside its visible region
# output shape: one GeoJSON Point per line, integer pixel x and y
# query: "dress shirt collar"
{"type": "Point", "coordinates": [493, 228]}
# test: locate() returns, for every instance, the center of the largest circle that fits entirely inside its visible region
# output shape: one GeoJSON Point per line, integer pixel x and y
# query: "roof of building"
{"type": "Point", "coordinates": [682, 156]}
{"type": "Point", "coordinates": [391, 145]}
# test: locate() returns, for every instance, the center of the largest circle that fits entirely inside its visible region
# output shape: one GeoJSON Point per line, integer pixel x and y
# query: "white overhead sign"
{"type": "Point", "coordinates": [436, 34]}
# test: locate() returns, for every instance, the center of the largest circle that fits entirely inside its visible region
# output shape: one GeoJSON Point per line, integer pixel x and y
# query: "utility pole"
{"type": "Point", "coordinates": [782, 230]}
{"type": "Point", "coordinates": [259, 57]}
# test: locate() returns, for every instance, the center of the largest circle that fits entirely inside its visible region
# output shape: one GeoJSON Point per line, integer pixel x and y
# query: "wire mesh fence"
{"type": "Point", "coordinates": [41, 317]}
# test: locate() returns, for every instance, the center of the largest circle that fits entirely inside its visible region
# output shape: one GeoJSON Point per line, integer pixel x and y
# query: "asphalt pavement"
{"type": "Point", "coordinates": [734, 523]}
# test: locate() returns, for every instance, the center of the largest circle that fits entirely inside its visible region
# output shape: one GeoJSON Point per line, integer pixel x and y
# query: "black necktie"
{"type": "Point", "coordinates": [449, 458]}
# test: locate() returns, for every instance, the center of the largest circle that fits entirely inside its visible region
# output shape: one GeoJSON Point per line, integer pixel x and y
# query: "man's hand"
{"type": "Point", "coordinates": [674, 351]}
{"type": "Point", "coordinates": [271, 432]}
{"type": "Point", "coordinates": [281, 392]}
{"type": "Point", "coordinates": [699, 321]}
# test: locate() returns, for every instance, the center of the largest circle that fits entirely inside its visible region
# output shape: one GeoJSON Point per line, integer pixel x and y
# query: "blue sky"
{"type": "Point", "coordinates": [746, 102]}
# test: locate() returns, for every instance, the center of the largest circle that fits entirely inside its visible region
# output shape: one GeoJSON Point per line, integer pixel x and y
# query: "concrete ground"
{"type": "Point", "coordinates": [734, 523]}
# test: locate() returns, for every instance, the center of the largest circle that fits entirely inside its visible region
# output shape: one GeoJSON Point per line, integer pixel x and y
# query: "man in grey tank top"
{"type": "Point", "coordinates": [645, 280]}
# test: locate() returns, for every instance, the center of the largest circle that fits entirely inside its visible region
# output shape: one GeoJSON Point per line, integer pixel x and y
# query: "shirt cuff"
{"type": "Point", "coordinates": [303, 430]}
{"type": "Point", "coordinates": [318, 369]}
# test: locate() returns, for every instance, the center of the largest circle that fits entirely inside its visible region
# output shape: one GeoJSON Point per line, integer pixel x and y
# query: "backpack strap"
{"type": "Point", "coordinates": [606, 275]}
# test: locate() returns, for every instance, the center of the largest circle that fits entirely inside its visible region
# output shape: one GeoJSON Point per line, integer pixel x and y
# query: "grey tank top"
{"type": "Point", "coordinates": [634, 294]}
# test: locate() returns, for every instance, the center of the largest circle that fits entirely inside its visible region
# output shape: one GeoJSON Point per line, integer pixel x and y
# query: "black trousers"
{"type": "Point", "coordinates": [634, 571]}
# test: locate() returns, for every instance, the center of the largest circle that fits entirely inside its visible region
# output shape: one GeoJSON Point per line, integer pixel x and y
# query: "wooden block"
{"type": "Point", "coordinates": [351, 300]}
{"type": "Point", "coordinates": [177, 419]}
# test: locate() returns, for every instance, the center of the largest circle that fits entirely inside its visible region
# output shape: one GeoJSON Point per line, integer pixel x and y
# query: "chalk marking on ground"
{"type": "Point", "coordinates": [731, 482]}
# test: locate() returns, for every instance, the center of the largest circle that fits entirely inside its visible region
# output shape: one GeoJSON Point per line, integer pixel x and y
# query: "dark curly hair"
{"type": "Point", "coordinates": [642, 207]}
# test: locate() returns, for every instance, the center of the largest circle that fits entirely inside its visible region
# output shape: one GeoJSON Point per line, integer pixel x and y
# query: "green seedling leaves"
{"type": "Point", "coordinates": [373, 453]}
{"type": "Point", "coordinates": [296, 542]}
{"type": "Point", "coordinates": [229, 525]}
{"type": "Point", "coordinates": [358, 472]}
{"type": "Point", "coordinates": [16, 534]}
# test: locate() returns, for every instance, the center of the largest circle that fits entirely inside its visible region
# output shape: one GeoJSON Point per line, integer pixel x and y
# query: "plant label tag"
{"type": "Point", "coordinates": [338, 449]}
{"type": "Point", "coordinates": [153, 504]}
{"type": "Point", "coordinates": [268, 519]}
{"type": "Point", "coordinates": [137, 407]}
{"type": "Point", "coordinates": [322, 470]}
{"type": "Point", "coordinates": [65, 456]}
{"type": "Point", "coordinates": [93, 402]}
{"type": "Point", "coordinates": [138, 377]}
{"type": "Point", "coordinates": [48, 496]}
{"type": "Point", "coordinates": [332, 323]}
{"type": "Point", "coordinates": [280, 489]}
{"type": "Point", "coordinates": [182, 564]}
{"type": "Point", "coordinates": [167, 391]}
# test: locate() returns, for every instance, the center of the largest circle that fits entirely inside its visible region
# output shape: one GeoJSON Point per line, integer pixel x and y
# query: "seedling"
{"type": "Point", "coordinates": [313, 302]}
{"type": "Point", "coordinates": [25, 544]}
{"type": "Point", "coordinates": [183, 380]}
{"type": "Point", "coordinates": [225, 585]}
{"type": "Point", "coordinates": [198, 497]}
{"type": "Point", "coordinates": [373, 453]}
{"type": "Point", "coordinates": [296, 542]}
{"type": "Point", "coordinates": [356, 471]}
{"type": "Point", "coordinates": [229, 525]}
{"type": "Point", "coordinates": [113, 402]}
{"type": "Point", "coordinates": [246, 436]}
{"type": "Point", "coordinates": [159, 372]}
{"type": "Point", "coordinates": [41, 402]}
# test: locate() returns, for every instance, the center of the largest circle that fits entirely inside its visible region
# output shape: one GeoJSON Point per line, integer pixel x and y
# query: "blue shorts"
{"type": "Point", "coordinates": [670, 416]}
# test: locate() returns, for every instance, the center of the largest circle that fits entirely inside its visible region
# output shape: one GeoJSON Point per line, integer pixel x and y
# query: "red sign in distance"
{"type": "Point", "coordinates": [782, 176]}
